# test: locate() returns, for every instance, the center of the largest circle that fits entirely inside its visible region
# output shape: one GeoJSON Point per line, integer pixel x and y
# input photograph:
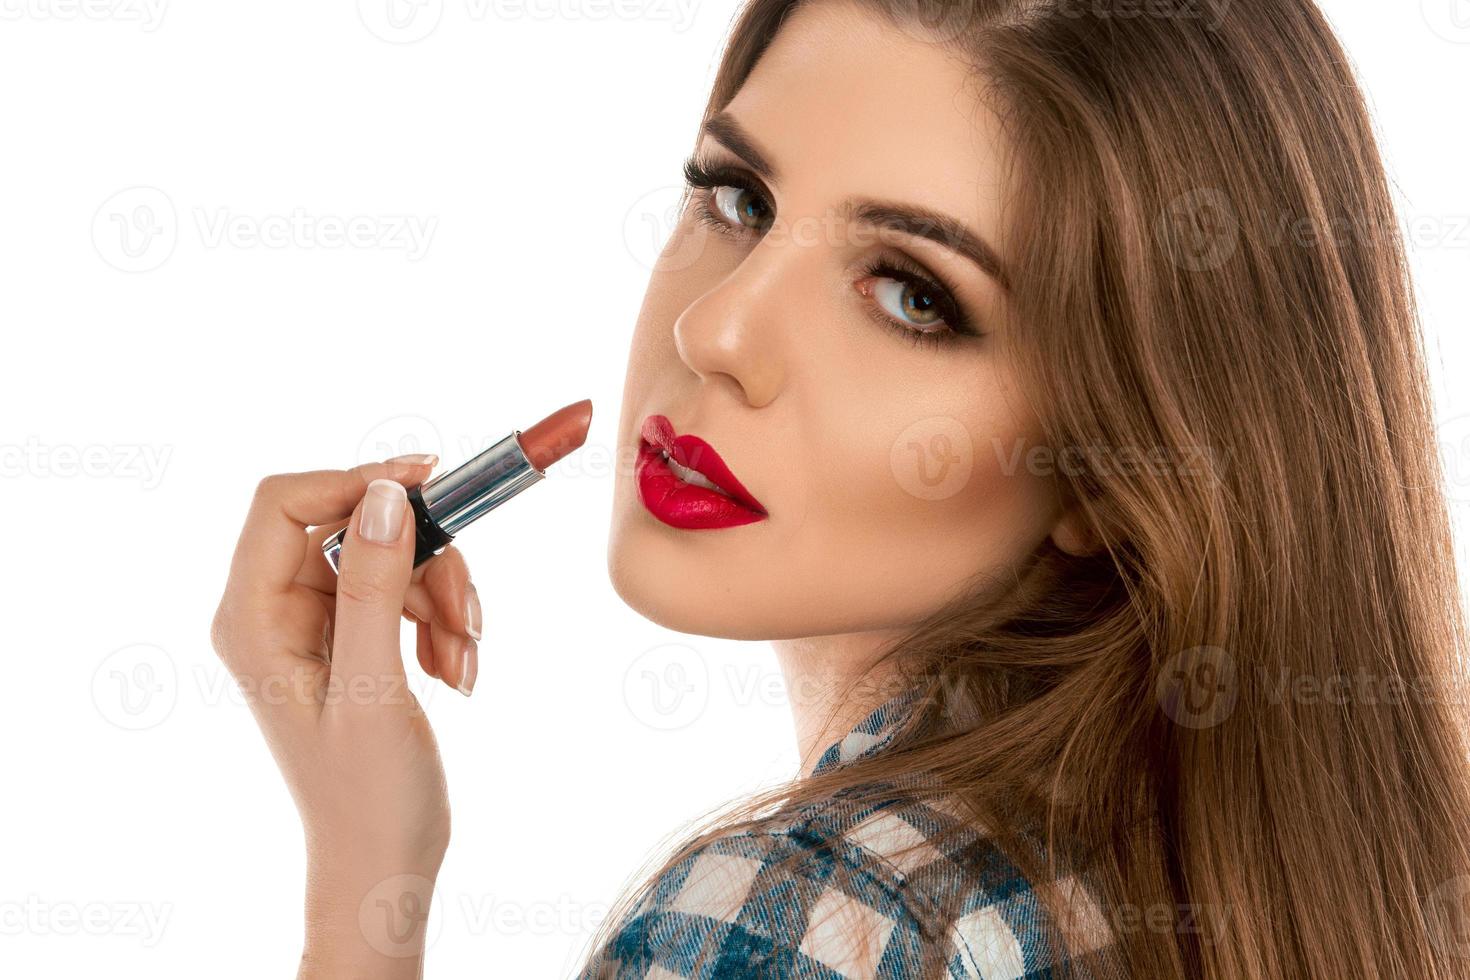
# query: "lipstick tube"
{"type": "Point", "coordinates": [453, 500]}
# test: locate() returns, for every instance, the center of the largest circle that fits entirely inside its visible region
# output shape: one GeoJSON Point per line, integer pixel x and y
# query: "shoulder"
{"type": "Point", "coordinates": [841, 891]}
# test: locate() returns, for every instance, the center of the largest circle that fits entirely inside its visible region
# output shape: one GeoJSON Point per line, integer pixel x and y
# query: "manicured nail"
{"type": "Point", "coordinates": [415, 459]}
{"type": "Point", "coordinates": [470, 667]}
{"type": "Point", "coordinates": [382, 511]}
{"type": "Point", "coordinates": [472, 611]}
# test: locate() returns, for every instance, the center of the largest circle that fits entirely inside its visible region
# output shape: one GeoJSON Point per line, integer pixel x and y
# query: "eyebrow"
{"type": "Point", "coordinates": [911, 219]}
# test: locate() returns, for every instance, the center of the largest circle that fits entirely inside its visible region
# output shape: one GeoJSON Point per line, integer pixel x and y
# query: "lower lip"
{"type": "Point", "coordinates": [684, 505]}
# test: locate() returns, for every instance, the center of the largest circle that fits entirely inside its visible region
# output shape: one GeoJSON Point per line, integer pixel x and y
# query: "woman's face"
{"type": "Point", "coordinates": [877, 424]}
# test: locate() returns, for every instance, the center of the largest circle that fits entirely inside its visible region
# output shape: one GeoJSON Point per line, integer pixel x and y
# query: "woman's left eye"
{"type": "Point", "coordinates": [913, 303]}
{"type": "Point", "coordinates": [908, 302]}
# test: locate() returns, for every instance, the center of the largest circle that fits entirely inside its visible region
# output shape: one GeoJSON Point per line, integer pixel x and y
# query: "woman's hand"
{"type": "Point", "coordinates": [317, 656]}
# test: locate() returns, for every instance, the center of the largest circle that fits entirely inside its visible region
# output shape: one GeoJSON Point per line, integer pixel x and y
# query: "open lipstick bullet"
{"type": "Point", "coordinates": [443, 506]}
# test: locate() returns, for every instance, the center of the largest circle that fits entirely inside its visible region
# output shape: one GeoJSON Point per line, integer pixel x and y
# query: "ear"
{"type": "Point", "coordinates": [1074, 535]}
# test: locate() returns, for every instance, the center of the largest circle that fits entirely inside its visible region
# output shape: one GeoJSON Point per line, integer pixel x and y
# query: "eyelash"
{"type": "Point", "coordinates": [706, 178]}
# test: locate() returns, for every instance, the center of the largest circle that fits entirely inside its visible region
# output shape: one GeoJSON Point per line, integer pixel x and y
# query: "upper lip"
{"type": "Point", "coordinates": [696, 454]}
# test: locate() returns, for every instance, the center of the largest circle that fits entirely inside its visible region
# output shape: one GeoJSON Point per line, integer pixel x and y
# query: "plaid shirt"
{"type": "Point", "coordinates": [753, 919]}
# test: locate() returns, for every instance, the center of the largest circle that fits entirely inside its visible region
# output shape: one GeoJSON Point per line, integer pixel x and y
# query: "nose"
{"type": "Point", "coordinates": [733, 333]}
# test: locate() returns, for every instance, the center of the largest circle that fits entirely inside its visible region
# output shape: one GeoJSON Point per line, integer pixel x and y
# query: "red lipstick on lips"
{"type": "Point", "coordinates": [679, 502]}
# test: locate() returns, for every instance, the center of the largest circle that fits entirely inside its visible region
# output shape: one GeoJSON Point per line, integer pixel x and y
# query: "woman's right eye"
{"type": "Point", "coordinates": [740, 206]}
{"type": "Point", "coordinates": [728, 201]}
{"type": "Point", "coordinates": [734, 210]}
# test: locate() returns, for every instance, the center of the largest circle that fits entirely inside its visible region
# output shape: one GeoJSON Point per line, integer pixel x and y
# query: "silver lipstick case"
{"type": "Point", "coordinates": [451, 501]}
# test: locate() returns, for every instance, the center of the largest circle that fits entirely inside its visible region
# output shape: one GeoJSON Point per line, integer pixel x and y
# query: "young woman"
{"type": "Point", "coordinates": [1066, 358]}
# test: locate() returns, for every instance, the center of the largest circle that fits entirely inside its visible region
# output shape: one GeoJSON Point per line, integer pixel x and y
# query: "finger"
{"type": "Point", "coordinates": [316, 573]}
{"type": "Point", "coordinates": [376, 563]}
{"type": "Point", "coordinates": [456, 658]}
{"type": "Point", "coordinates": [456, 601]}
{"type": "Point", "coordinates": [272, 544]}
{"type": "Point", "coordinates": [417, 603]}
{"type": "Point", "coordinates": [425, 647]}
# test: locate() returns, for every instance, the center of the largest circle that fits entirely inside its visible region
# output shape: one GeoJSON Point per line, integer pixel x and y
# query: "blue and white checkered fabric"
{"type": "Point", "coordinates": [777, 903]}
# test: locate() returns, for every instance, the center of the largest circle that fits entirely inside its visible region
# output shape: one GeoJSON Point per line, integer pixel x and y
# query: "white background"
{"type": "Point", "coordinates": [535, 148]}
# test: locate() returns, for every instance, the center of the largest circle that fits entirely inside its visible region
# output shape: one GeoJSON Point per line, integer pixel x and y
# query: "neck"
{"type": "Point", "coordinates": [819, 672]}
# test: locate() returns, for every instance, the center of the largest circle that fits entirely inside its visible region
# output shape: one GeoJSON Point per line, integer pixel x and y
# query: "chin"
{"type": "Point", "coordinates": [696, 583]}
{"type": "Point", "coordinates": [666, 584]}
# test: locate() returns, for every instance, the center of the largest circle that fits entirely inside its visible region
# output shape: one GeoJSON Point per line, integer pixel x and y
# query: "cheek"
{"type": "Point", "coordinates": [651, 352]}
{"type": "Point", "coordinates": [912, 502]}
{"type": "Point", "coordinates": [687, 268]}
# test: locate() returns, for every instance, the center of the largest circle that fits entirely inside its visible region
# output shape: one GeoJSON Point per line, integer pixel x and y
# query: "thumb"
{"type": "Point", "coordinates": [376, 565]}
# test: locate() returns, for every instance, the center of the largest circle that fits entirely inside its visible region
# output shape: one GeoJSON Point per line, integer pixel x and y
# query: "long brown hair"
{"type": "Point", "coordinates": [1242, 707]}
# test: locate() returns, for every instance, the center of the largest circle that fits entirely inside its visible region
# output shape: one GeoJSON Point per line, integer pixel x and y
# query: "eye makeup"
{"type": "Point", "coordinates": [955, 324]}
{"type": "Point", "coordinates": [709, 178]}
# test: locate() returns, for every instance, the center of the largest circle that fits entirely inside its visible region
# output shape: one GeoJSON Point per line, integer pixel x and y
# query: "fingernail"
{"type": "Point", "coordinates": [470, 668]}
{"type": "Point", "coordinates": [415, 459]}
{"type": "Point", "coordinates": [382, 511]}
{"type": "Point", "coordinates": [472, 611]}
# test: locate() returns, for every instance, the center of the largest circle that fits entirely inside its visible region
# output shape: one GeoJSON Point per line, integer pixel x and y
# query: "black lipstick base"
{"type": "Point", "coordinates": [429, 538]}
